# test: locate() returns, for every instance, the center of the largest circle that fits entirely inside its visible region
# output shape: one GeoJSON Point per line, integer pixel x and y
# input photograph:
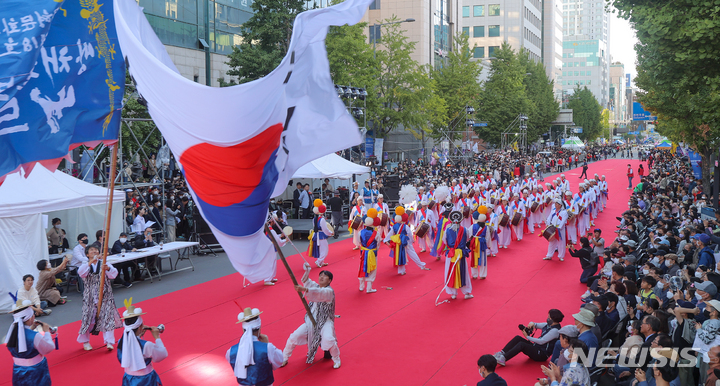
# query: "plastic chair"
{"type": "Point", "coordinates": [162, 257]}
{"type": "Point", "coordinates": [72, 273]}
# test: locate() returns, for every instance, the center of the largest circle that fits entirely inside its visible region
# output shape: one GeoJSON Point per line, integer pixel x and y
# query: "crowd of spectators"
{"type": "Point", "coordinates": [652, 293]}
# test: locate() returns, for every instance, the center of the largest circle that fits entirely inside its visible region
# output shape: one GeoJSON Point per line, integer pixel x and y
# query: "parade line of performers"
{"type": "Point", "coordinates": [464, 222]}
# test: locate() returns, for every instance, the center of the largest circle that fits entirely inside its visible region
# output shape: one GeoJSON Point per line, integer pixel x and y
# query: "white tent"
{"type": "Point", "coordinates": [573, 143]}
{"type": "Point", "coordinates": [330, 166]}
{"type": "Point", "coordinates": [27, 204]}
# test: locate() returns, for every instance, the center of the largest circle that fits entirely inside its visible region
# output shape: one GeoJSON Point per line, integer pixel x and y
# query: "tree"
{"type": "Point", "coordinates": [352, 62]}
{"type": "Point", "coordinates": [605, 122]}
{"type": "Point", "coordinates": [405, 90]}
{"type": "Point", "coordinates": [265, 39]}
{"type": "Point", "coordinates": [540, 90]}
{"type": "Point", "coordinates": [678, 69]}
{"type": "Point", "coordinates": [132, 132]}
{"type": "Point", "coordinates": [503, 97]}
{"type": "Point", "coordinates": [586, 113]}
{"type": "Point", "coordinates": [457, 84]}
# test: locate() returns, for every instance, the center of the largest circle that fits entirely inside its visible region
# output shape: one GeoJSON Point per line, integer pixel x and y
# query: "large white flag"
{"type": "Point", "coordinates": [238, 146]}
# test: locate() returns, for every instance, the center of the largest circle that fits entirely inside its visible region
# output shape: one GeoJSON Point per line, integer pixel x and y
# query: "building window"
{"type": "Point", "coordinates": [375, 4]}
{"type": "Point", "coordinates": [576, 73]}
{"type": "Point", "coordinates": [466, 31]}
{"type": "Point", "coordinates": [582, 64]}
{"type": "Point", "coordinates": [466, 11]}
{"type": "Point", "coordinates": [494, 10]}
{"type": "Point", "coordinates": [582, 73]}
{"type": "Point", "coordinates": [375, 33]}
{"type": "Point", "coordinates": [588, 73]}
{"type": "Point", "coordinates": [493, 30]}
{"type": "Point", "coordinates": [479, 52]}
{"type": "Point", "coordinates": [582, 82]}
{"type": "Point", "coordinates": [588, 82]}
{"type": "Point", "coordinates": [491, 51]}
{"type": "Point", "coordinates": [564, 73]}
{"type": "Point", "coordinates": [479, 31]}
{"type": "Point", "coordinates": [478, 10]}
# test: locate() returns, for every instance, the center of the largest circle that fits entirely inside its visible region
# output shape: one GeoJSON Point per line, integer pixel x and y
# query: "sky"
{"type": "Point", "coordinates": [622, 44]}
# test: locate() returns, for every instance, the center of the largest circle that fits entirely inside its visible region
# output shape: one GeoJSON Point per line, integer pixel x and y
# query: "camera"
{"type": "Point", "coordinates": [527, 330]}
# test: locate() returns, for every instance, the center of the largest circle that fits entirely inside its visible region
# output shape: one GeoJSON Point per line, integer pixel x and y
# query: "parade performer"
{"type": "Point", "coordinates": [425, 215]}
{"type": "Point", "coordinates": [557, 219]}
{"type": "Point", "coordinates": [322, 305]}
{"type": "Point", "coordinates": [603, 193]}
{"type": "Point", "coordinates": [357, 210]}
{"type": "Point", "coordinates": [505, 233]}
{"type": "Point", "coordinates": [369, 238]}
{"type": "Point", "coordinates": [571, 224]}
{"type": "Point", "coordinates": [281, 241]}
{"type": "Point", "coordinates": [381, 207]}
{"type": "Point", "coordinates": [28, 347]}
{"type": "Point", "coordinates": [401, 242]}
{"type": "Point", "coordinates": [318, 247]}
{"type": "Point", "coordinates": [457, 274]}
{"type": "Point", "coordinates": [481, 235]}
{"type": "Point", "coordinates": [367, 195]}
{"type": "Point", "coordinates": [254, 358]}
{"type": "Point", "coordinates": [438, 248]}
{"type": "Point", "coordinates": [137, 355]}
{"type": "Point", "coordinates": [493, 223]}
{"type": "Point", "coordinates": [517, 206]}
{"type": "Point", "coordinates": [109, 318]}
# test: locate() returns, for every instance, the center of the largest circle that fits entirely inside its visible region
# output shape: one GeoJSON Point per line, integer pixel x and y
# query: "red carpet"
{"type": "Point", "coordinates": [393, 337]}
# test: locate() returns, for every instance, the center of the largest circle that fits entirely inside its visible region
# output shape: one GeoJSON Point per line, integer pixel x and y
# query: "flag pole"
{"type": "Point", "coordinates": [290, 272]}
{"type": "Point", "coordinates": [103, 256]}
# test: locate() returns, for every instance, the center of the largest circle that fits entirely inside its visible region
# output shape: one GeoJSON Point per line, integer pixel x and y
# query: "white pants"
{"type": "Point", "coordinates": [356, 237]}
{"type": "Point", "coordinates": [519, 230]}
{"type": "Point", "coordinates": [493, 247]}
{"type": "Point", "coordinates": [572, 232]}
{"type": "Point", "coordinates": [412, 255]}
{"type": "Point", "coordinates": [108, 336]}
{"type": "Point", "coordinates": [274, 270]}
{"type": "Point", "coordinates": [504, 237]}
{"type": "Point", "coordinates": [426, 242]}
{"type": "Point", "coordinates": [480, 271]}
{"type": "Point", "coordinates": [328, 342]}
{"type": "Point", "coordinates": [532, 221]}
{"type": "Point", "coordinates": [323, 246]}
{"type": "Point", "coordinates": [554, 244]}
{"type": "Point", "coordinates": [467, 289]}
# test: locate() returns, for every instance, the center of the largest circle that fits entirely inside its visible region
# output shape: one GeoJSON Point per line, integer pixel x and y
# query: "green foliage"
{"type": "Point", "coordinates": [678, 69]}
{"type": "Point", "coordinates": [504, 96]}
{"type": "Point", "coordinates": [352, 62]}
{"type": "Point", "coordinates": [605, 119]}
{"type": "Point", "coordinates": [140, 129]}
{"type": "Point", "coordinates": [539, 89]}
{"type": "Point", "coordinates": [266, 39]}
{"type": "Point", "coordinates": [457, 84]}
{"type": "Point", "coordinates": [587, 113]}
{"type": "Point", "coordinates": [405, 90]}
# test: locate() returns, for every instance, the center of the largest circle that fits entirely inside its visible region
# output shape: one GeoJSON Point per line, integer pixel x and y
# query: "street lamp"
{"type": "Point", "coordinates": [408, 20]}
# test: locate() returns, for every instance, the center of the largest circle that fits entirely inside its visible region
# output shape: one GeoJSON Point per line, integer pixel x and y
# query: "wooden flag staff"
{"type": "Point", "coordinates": [103, 256]}
{"type": "Point", "coordinates": [290, 272]}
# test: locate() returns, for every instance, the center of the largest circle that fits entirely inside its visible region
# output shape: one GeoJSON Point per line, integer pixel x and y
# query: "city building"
{"type": "Point", "coordinates": [489, 23]}
{"type": "Point", "coordinates": [586, 53]}
{"type": "Point", "coordinates": [552, 41]}
{"type": "Point", "coordinates": [436, 24]}
{"type": "Point", "coordinates": [618, 103]}
{"type": "Point", "coordinates": [198, 34]}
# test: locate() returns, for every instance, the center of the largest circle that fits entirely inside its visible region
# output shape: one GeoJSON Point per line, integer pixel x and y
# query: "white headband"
{"type": "Point", "coordinates": [244, 357]}
{"type": "Point", "coordinates": [20, 318]}
{"type": "Point", "coordinates": [132, 352]}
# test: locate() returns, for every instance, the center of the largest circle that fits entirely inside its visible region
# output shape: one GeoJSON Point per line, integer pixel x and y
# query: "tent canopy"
{"type": "Point", "coordinates": [330, 166]}
{"type": "Point", "coordinates": [573, 143]}
{"type": "Point", "coordinates": [664, 145]}
{"type": "Point", "coordinates": [23, 201]}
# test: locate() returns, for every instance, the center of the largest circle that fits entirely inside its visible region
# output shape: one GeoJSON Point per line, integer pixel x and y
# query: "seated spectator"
{"type": "Point", "coordinates": [671, 264]}
{"type": "Point", "coordinates": [585, 321]}
{"type": "Point", "coordinates": [602, 319]}
{"type": "Point", "coordinates": [537, 349]}
{"type": "Point", "coordinates": [646, 288]}
{"type": "Point", "coordinates": [486, 368]}
{"type": "Point", "coordinates": [629, 349]}
{"type": "Point", "coordinates": [664, 372]}
{"type": "Point", "coordinates": [124, 267]}
{"type": "Point", "coordinates": [708, 336]}
{"type": "Point", "coordinates": [28, 292]}
{"type": "Point", "coordinates": [575, 374]}
{"type": "Point", "coordinates": [714, 364]}
{"type": "Point", "coordinates": [46, 285]}
{"type": "Point", "coordinates": [704, 292]}
{"type": "Point", "coordinates": [79, 256]}
{"type": "Point", "coordinates": [706, 256]}
{"type": "Point", "coordinates": [145, 240]}
{"type": "Point", "coordinates": [568, 335]}
{"type": "Point", "coordinates": [99, 240]}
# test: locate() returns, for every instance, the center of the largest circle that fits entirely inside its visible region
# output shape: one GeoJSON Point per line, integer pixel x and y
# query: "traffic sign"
{"type": "Point", "coordinates": [480, 124]}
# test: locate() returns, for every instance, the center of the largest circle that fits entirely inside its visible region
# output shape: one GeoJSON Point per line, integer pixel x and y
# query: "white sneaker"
{"type": "Point", "coordinates": [109, 347]}
{"type": "Point", "coordinates": [562, 259]}
{"type": "Point", "coordinates": [501, 360]}
{"type": "Point", "coordinates": [469, 296]}
{"type": "Point", "coordinates": [284, 363]}
{"type": "Point", "coordinates": [371, 291]}
{"type": "Point", "coordinates": [453, 297]}
{"type": "Point", "coordinates": [362, 286]}
{"type": "Point", "coordinates": [547, 258]}
{"type": "Point", "coordinates": [336, 365]}
{"type": "Point", "coordinates": [87, 346]}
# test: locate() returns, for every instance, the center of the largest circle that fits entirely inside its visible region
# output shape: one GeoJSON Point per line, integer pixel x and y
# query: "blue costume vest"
{"type": "Point", "coordinates": [37, 375]}
{"type": "Point", "coordinates": [259, 374]}
{"type": "Point", "coordinates": [152, 379]}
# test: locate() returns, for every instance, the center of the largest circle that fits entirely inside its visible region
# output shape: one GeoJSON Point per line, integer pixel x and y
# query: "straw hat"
{"type": "Point", "coordinates": [130, 310]}
{"type": "Point", "coordinates": [21, 305]}
{"type": "Point", "coordinates": [248, 314]}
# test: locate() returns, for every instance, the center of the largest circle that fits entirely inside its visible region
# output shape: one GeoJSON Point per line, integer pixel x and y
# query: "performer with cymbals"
{"type": "Point", "coordinates": [254, 358]}
{"type": "Point", "coordinates": [369, 239]}
{"type": "Point", "coordinates": [318, 247]}
{"type": "Point", "coordinates": [401, 242]}
{"type": "Point", "coordinates": [481, 234]}
{"type": "Point", "coordinates": [137, 355]}
{"type": "Point", "coordinates": [457, 274]}
{"type": "Point", "coordinates": [382, 208]}
{"type": "Point", "coordinates": [28, 347]}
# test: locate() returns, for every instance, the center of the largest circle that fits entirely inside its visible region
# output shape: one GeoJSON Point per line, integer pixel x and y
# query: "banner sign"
{"type": "Point", "coordinates": [62, 79]}
{"type": "Point", "coordinates": [639, 113]}
{"type": "Point", "coordinates": [695, 160]}
{"type": "Point", "coordinates": [379, 149]}
{"type": "Point", "coordinates": [369, 144]}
